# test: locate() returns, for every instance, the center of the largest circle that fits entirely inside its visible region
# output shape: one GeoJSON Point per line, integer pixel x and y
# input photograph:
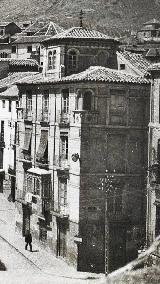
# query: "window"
{"type": "Point", "coordinates": [122, 66]}
{"type": "Point", "coordinates": [116, 153]}
{"type": "Point", "coordinates": [4, 55]}
{"type": "Point", "coordinates": [114, 200]}
{"type": "Point", "coordinates": [2, 130]}
{"type": "Point", "coordinates": [42, 153]}
{"type": "Point", "coordinates": [87, 100]}
{"type": "Point", "coordinates": [36, 187]}
{"type": "Point", "coordinates": [27, 143]}
{"type": "Point", "coordinates": [64, 145]}
{"type": "Point", "coordinates": [72, 60]}
{"type": "Point", "coordinates": [2, 32]}
{"type": "Point", "coordinates": [51, 59]}
{"type": "Point", "coordinates": [117, 108]}
{"type": "Point", "coordinates": [10, 105]}
{"type": "Point", "coordinates": [3, 103]}
{"type": "Point", "coordinates": [29, 48]}
{"type": "Point", "coordinates": [45, 105]}
{"type": "Point", "coordinates": [62, 195]}
{"type": "Point", "coordinates": [14, 49]}
{"type": "Point", "coordinates": [65, 102]}
{"type": "Point", "coordinates": [28, 103]}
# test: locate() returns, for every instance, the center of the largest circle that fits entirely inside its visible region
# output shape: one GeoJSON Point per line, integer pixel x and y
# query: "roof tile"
{"type": "Point", "coordinates": [92, 74]}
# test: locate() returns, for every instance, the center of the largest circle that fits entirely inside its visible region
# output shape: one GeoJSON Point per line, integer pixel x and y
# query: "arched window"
{"type": "Point", "coordinates": [51, 59]}
{"type": "Point", "coordinates": [72, 60]}
{"type": "Point", "coordinates": [87, 100]}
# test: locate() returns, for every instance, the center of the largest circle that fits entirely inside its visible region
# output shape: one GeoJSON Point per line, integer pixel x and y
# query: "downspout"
{"type": "Point", "coordinates": [149, 195]}
{"type": "Point", "coordinates": [35, 130]}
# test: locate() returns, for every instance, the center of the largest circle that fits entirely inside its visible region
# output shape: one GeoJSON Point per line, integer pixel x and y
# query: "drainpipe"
{"type": "Point", "coordinates": [35, 139]}
{"type": "Point", "coordinates": [149, 194]}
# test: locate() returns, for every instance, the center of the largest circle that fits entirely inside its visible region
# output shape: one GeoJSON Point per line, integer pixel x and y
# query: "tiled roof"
{"type": "Point", "coordinates": [80, 33]}
{"type": "Point", "coordinates": [153, 52]}
{"type": "Point", "coordinates": [14, 77]}
{"type": "Point", "coordinates": [10, 92]}
{"type": "Point", "coordinates": [153, 21]}
{"type": "Point", "coordinates": [30, 39]}
{"type": "Point", "coordinates": [92, 74]}
{"type": "Point", "coordinates": [138, 61]}
{"type": "Point", "coordinates": [50, 29]}
{"type": "Point", "coordinates": [20, 62]}
{"type": "Point", "coordinates": [154, 67]}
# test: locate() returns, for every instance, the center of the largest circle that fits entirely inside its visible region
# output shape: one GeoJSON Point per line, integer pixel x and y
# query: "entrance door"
{"type": "Point", "coordinates": [26, 219]}
{"type": "Point", "coordinates": [117, 246]}
{"type": "Point", "coordinates": [13, 180]}
{"type": "Point", "coordinates": [61, 239]}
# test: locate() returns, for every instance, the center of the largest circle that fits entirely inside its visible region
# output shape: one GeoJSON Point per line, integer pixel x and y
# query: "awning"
{"type": "Point", "coordinates": [27, 139]}
{"type": "Point", "coordinates": [42, 145]}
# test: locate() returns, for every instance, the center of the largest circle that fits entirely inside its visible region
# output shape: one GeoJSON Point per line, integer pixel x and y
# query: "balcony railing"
{"type": "Point", "coordinates": [61, 161]}
{"type": "Point", "coordinates": [28, 115]}
{"type": "Point", "coordinates": [45, 116]}
{"type": "Point", "coordinates": [61, 211]}
{"type": "Point", "coordinates": [64, 118]}
{"type": "Point", "coordinates": [84, 116]}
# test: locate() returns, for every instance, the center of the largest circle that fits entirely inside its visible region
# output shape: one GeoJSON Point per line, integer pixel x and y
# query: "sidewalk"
{"type": "Point", "coordinates": [40, 259]}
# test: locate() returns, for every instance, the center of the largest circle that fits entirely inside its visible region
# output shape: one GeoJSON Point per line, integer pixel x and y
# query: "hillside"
{"type": "Point", "coordinates": [115, 16]}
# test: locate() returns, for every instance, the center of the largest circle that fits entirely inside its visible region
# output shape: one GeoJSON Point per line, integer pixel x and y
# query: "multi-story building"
{"type": "Point", "coordinates": [29, 43]}
{"type": "Point", "coordinates": [74, 131]}
{"type": "Point", "coordinates": [8, 118]}
{"type": "Point", "coordinates": [153, 181]}
{"type": "Point", "coordinates": [7, 31]}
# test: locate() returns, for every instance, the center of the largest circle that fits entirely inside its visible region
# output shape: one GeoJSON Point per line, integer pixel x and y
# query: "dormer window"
{"type": "Point", "coordinates": [72, 60]}
{"type": "Point", "coordinates": [51, 59]}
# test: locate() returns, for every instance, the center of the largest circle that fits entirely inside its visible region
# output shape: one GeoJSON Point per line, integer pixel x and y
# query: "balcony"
{"type": "Point", "coordinates": [60, 211]}
{"type": "Point", "coordinates": [27, 115]}
{"type": "Point", "coordinates": [44, 117]}
{"type": "Point", "coordinates": [64, 119]}
{"type": "Point", "coordinates": [61, 162]}
{"type": "Point", "coordinates": [85, 116]}
{"type": "Point", "coordinates": [42, 163]}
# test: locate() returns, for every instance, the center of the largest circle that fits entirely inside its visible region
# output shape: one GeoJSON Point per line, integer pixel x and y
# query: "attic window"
{"type": "Point", "coordinates": [122, 66]}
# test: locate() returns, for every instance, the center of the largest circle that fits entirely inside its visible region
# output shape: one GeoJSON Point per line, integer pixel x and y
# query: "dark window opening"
{"type": "Point", "coordinates": [51, 59]}
{"type": "Point", "coordinates": [157, 228]}
{"type": "Point", "coordinates": [122, 66]}
{"type": "Point", "coordinates": [72, 60]}
{"type": "Point", "coordinates": [87, 100]}
{"type": "Point", "coordinates": [64, 145]}
{"type": "Point", "coordinates": [2, 130]}
{"type": "Point", "coordinates": [29, 48]}
{"type": "Point", "coordinates": [14, 49]}
{"type": "Point", "coordinates": [10, 105]}
{"type": "Point", "coordinates": [65, 102]}
{"type": "Point", "coordinates": [3, 103]}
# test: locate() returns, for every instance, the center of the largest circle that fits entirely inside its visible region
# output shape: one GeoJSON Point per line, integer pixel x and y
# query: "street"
{"type": "Point", "coordinates": [36, 267]}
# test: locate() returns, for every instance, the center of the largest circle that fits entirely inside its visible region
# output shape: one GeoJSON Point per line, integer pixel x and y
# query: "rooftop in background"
{"type": "Point", "coordinates": [14, 77]}
{"type": "Point", "coordinates": [20, 62]}
{"type": "Point", "coordinates": [80, 33]}
{"type": "Point", "coordinates": [92, 74]}
{"type": "Point", "coordinates": [153, 21]}
{"type": "Point", "coordinates": [137, 61]}
{"type": "Point", "coordinates": [42, 28]}
{"type": "Point", "coordinates": [154, 67]}
{"type": "Point", "coordinates": [30, 39]}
